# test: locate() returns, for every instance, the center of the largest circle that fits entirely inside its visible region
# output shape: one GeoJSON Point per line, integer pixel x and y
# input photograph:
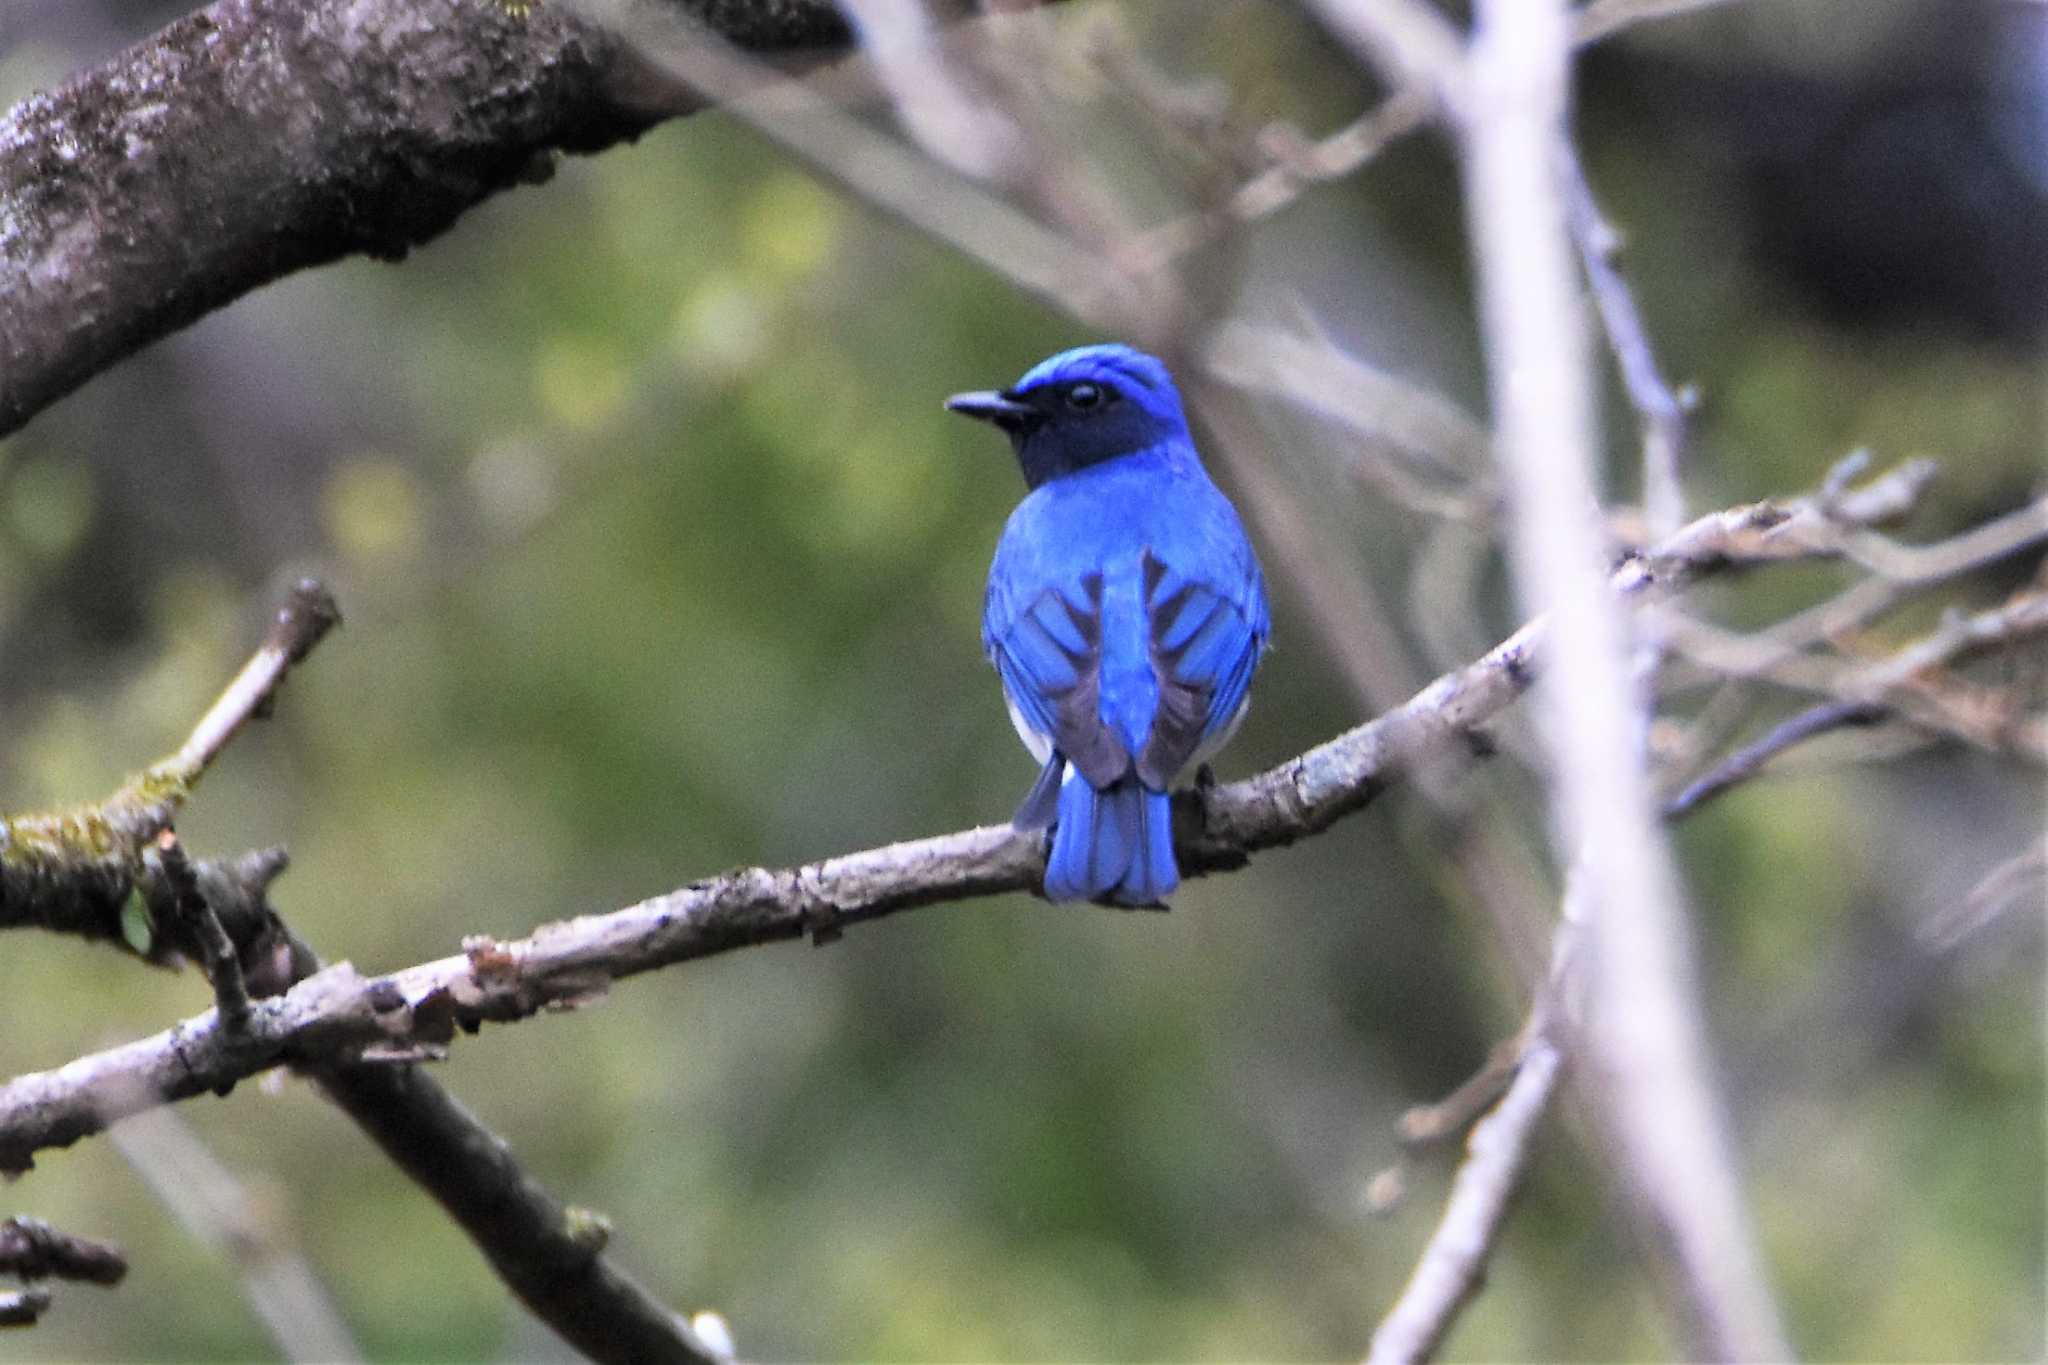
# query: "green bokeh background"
{"type": "Point", "coordinates": [659, 556]}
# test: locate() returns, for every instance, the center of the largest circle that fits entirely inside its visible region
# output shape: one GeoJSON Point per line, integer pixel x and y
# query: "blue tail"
{"type": "Point", "coordinates": [1115, 844]}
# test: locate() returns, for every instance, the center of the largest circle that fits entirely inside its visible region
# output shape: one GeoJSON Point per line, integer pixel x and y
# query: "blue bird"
{"type": "Point", "coordinates": [1125, 613]}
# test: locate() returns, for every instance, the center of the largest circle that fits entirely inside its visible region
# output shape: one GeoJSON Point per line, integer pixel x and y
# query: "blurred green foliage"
{"type": "Point", "coordinates": [658, 556]}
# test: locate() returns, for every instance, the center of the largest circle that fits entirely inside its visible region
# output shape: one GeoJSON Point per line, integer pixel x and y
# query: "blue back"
{"type": "Point", "coordinates": [1125, 609]}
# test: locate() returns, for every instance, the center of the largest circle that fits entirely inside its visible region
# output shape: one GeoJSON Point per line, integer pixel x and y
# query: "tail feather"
{"type": "Point", "coordinates": [1115, 844]}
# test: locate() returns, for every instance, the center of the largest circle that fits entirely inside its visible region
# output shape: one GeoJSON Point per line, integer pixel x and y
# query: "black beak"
{"type": "Point", "coordinates": [996, 408]}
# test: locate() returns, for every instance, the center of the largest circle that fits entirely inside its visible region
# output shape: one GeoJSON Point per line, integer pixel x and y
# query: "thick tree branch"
{"type": "Point", "coordinates": [258, 137]}
{"type": "Point", "coordinates": [339, 1013]}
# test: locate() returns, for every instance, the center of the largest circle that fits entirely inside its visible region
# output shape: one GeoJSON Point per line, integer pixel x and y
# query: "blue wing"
{"type": "Point", "coordinates": [1201, 645]}
{"type": "Point", "coordinates": [1050, 657]}
{"type": "Point", "coordinates": [1206, 639]}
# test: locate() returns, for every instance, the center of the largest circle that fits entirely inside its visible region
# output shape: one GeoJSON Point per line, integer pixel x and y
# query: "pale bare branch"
{"type": "Point", "coordinates": [1646, 1066]}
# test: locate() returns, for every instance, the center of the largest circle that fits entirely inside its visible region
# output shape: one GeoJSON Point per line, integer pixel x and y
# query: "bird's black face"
{"type": "Point", "coordinates": [1062, 425]}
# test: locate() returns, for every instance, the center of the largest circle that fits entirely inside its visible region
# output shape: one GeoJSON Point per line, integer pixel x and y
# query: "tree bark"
{"type": "Point", "coordinates": [254, 138]}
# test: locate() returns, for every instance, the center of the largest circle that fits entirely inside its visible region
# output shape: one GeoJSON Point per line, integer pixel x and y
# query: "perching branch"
{"type": "Point", "coordinates": [338, 1014]}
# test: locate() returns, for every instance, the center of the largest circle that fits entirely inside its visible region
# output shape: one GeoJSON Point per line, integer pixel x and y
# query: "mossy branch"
{"type": "Point", "coordinates": [94, 870]}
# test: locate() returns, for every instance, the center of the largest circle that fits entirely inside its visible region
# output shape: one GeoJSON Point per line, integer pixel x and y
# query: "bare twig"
{"type": "Point", "coordinates": [2019, 880]}
{"type": "Point", "coordinates": [1919, 565]}
{"type": "Point", "coordinates": [31, 1249]}
{"type": "Point", "coordinates": [1660, 410]}
{"type": "Point", "coordinates": [1411, 44]}
{"type": "Point", "coordinates": [1914, 684]}
{"type": "Point", "coordinates": [197, 923]}
{"type": "Point", "coordinates": [308, 613]}
{"type": "Point", "coordinates": [1426, 1124]}
{"type": "Point", "coordinates": [1294, 169]}
{"type": "Point", "coordinates": [1451, 1265]}
{"type": "Point", "coordinates": [1603, 18]}
{"type": "Point", "coordinates": [1427, 453]}
{"type": "Point", "coordinates": [1746, 762]}
{"type": "Point", "coordinates": [884, 173]}
{"type": "Point", "coordinates": [23, 1307]}
{"type": "Point", "coordinates": [898, 37]}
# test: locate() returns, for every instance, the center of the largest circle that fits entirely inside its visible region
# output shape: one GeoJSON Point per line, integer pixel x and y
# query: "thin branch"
{"type": "Point", "coordinates": [1298, 164]}
{"type": "Point", "coordinates": [1453, 1264]}
{"type": "Point", "coordinates": [1412, 45]}
{"type": "Point", "coordinates": [1526, 1068]}
{"type": "Point", "coordinates": [197, 923]}
{"type": "Point", "coordinates": [968, 135]}
{"type": "Point", "coordinates": [1660, 409]}
{"type": "Point", "coordinates": [219, 1212]}
{"type": "Point", "coordinates": [1603, 18]}
{"type": "Point", "coordinates": [1425, 1125]}
{"type": "Point", "coordinates": [885, 174]}
{"type": "Point", "coordinates": [31, 1249]}
{"type": "Point", "coordinates": [1915, 684]}
{"type": "Point", "coordinates": [1427, 453]}
{"type": "Point", "coordinates": [2019, 880]}
{"type": "Point", "coordinates": [1919, 565]}
{"type": "Point", "coordinates": [1749, 760]}
{"type": "Point", "coordinates": [309, 612]}
{"type": "Point", "coordinates": [23, 1307]}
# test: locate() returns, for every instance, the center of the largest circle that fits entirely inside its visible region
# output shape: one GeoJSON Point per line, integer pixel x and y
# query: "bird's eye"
{"type": "Point", "coordinates": [1085, 397]}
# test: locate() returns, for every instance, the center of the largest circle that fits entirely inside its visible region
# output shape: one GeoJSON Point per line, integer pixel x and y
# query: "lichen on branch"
{"type": "Point", "coordinates": [89, 870]}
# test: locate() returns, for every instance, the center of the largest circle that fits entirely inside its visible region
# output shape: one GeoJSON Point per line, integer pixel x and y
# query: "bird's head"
{"type": "Point", "coordinates": [1081, 407]}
